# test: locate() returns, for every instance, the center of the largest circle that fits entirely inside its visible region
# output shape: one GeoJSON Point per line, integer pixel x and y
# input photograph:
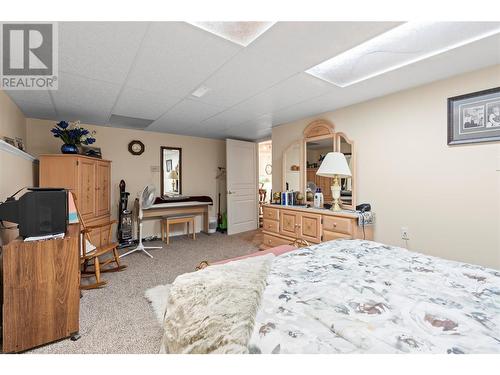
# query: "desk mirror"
{"type": "Point", "coordinates": [171, 171]}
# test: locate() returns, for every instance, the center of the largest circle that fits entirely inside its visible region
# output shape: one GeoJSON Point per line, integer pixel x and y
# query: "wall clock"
{"type": "Point", "coordinates": [136, 147]}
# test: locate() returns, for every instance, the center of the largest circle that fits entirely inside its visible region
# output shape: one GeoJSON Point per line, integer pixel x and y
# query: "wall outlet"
{"type": "Point", "coordinates": [405, 234]}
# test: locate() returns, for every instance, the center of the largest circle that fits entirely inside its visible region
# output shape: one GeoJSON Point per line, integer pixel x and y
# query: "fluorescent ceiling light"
{"type": "Point", "coordinates": [398, 47]}
{"type": "Point", "coordinates": [242, 33]}
{"type": "Point", "coordinates": [200, 91]}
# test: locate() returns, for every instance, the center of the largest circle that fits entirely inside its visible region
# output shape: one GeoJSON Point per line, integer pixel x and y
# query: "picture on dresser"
{"type": "Point", "coordinates": [474, 117]}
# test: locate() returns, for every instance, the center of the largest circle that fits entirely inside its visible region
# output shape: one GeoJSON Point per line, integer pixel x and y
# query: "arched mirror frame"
{"type": "Point", "coordinates": [324, 129]}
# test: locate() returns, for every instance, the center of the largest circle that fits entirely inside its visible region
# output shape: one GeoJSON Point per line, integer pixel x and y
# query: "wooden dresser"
{"type": "Point", "coordinates": [284, 224]}
{"type": "Point", "coordinates": [41, 291]}
{"type": "Point", "coordinates": [90, 180]}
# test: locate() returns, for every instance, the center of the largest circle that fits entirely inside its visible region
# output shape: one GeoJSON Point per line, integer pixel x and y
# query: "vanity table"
{"type": "Point", "coordinates": [301, 160]}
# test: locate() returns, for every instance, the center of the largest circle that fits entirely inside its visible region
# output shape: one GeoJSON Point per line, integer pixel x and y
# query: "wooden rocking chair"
{"type": "Point", "coordinates": [91, 265]}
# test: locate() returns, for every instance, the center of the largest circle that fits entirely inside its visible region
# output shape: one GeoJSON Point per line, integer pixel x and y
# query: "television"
{"type": "Point", "coordinates": [39, 212]}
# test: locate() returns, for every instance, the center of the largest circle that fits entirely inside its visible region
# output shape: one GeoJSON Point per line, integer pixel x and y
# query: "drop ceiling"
{"type": "Point", "coordinates": [148, 71]}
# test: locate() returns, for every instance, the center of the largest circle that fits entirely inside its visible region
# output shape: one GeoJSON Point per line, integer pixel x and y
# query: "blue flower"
{"type": "Point", "coordinates": [63, 124]}
{"type": "Point", "coordinates": [90, 141]}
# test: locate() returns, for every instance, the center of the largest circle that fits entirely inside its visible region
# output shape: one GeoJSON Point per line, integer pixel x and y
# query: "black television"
{"type": "Point", "coordinates": [39, 212]}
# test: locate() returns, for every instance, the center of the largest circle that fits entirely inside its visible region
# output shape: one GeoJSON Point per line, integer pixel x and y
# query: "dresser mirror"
{"type": "Point", "coordinates": [171, 171]}
{"type": "Point", "coordinates": [346, 146]}
{"type": "Point", "coordinates": [316, 150]}
{"type": "Point", "coordinates": [292, 167]}
{"type": "Point", "coordinates": [303, 157]}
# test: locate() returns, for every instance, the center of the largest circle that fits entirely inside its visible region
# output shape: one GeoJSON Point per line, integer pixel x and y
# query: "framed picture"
{"type": "Point", "coordinates": [475, 117]}
{"type": "Point", "coordinates": [10, 141]}
{"type": "Point", "coordinates": [169, 165]}
{"type": "Point", "coordinates": [20, 143]}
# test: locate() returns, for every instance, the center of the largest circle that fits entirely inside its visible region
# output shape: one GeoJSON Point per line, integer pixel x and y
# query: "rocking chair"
{"type": "Point", "coordinates": [91, 264]}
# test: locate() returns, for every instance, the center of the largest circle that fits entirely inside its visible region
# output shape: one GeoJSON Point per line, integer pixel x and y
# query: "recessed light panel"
{"type": "Point", "coordinates": [200, 91]}
{"type": "Point", "coordinates": [242, 33]}
{"type": "Point", "coordinates": [403, 45]}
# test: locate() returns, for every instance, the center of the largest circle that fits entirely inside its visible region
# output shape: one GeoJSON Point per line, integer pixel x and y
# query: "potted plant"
{"type": "Point", "coordinates": [72, 135]}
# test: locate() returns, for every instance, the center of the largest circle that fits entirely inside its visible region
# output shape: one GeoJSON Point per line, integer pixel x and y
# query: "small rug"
{"type": "Point", "coordinates": [158, 297]}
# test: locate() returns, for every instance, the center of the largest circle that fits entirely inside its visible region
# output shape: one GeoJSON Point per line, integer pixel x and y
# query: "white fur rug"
{"type": "Point", "coordinates": [212, 310]}
{"type": "Point", "coordinates": [158, 296]}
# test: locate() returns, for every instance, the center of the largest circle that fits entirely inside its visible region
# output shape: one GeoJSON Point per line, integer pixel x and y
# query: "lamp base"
{"type": "Point", "coordinates": [336, 195]}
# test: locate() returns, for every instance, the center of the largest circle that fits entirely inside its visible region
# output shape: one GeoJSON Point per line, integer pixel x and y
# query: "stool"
{"type": "Point", "coordinates": [169, 220]}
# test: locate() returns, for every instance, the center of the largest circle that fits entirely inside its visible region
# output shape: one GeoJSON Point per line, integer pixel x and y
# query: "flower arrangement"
{"type": "Point", "coordinates": [72, 134]}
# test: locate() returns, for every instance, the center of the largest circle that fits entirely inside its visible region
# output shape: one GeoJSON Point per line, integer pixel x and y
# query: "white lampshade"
{"type": "Point", "coordinates": [334, 164]}
{"type": "Point", "coordinates": [173, 175]}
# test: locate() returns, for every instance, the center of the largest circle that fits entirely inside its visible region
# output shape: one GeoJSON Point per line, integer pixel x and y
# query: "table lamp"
{"type": "Point", "coordinates": [174, 176]}
{"type": "Point", "coordinates": [334, 165]}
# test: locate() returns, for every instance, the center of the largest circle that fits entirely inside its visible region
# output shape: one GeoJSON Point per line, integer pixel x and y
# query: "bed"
{"type": "Point", "coordinates": [343, 296]}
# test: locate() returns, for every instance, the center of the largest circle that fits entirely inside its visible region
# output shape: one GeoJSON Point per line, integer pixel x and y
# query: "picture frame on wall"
{"type": "Point", "coordinates": [474, 117]}
{"type": "Point", "coordinates": [169, 165]}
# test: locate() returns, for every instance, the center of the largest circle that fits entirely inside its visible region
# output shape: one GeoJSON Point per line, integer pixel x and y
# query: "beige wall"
{"type": "Point", "coordinates": [15, 172]}
{"type": "Point", "coordinates": [200, 159]}
{"type": "Point", "coordinates": [448, 197]}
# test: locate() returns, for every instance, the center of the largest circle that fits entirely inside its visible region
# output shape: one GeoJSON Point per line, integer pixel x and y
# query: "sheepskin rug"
{"type": "Point", "coordinates": [212, 310]}
{"type": "Point", "coordinates": [158, 296]}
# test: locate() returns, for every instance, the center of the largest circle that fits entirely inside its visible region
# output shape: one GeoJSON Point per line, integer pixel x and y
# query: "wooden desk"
{"type": "Point", "coordinates": [178, 208]}
{"type": "Point", "coordinates": [41, 291]}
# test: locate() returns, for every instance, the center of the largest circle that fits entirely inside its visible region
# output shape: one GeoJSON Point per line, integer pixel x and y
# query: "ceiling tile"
{"type": "Point", "coordinates": [84, 99]}
{"type": "Point", "coordinates": [33, 103]}
{"type": "Point", "coordinates": [143, 104]}
{"type": "Point", "coordinates": [186, 114]}
{"type": "Point", "coordinates": [99, 50]}
{"type": "Point", "coordinates": [176, 57]}
{"type": "Point", "coordinates": [291, 91]}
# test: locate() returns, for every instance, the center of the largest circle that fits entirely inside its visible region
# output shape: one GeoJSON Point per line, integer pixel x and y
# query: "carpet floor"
{"type": "Point", "coordinates": [118, 318]}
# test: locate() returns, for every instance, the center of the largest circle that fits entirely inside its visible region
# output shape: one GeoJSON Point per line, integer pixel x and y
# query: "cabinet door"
{"type": "Point", "coordinates": [86, 198]}
{"type": "Point", "coordinates": [102, 187]}
{"type": "Point", "coordinates": [310, 227]}
{"type": "Point", "coordinates": [288, 223]}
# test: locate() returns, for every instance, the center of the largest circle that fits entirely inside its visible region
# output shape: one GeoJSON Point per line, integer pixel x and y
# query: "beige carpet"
{"type": "Point", "coordinates": [118, 319]}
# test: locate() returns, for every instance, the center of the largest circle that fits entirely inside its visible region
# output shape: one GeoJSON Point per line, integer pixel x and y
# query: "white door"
{"type": "Point", "coordinates": [242, 199]}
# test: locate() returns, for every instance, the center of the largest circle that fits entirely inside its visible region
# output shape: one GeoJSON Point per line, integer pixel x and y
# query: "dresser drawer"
{"type": "Point", "coordinates": [271, 241]}
{"type": "Point", "coordinates": [271, 226]}
{"type": "Point", "coordinates": [330, 236]}
{"type": "Point", "coordinates": [271, 213]}
{"type": "Point", "coordinates": [338, 224]}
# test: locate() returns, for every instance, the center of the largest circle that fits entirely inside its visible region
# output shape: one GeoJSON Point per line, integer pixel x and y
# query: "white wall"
{"type": "Point", "coordinates": [200, 159]}
{"type": "Point", "coordinates": [448, 197]}
{"type": "Point", "coordinates": [15, 172]}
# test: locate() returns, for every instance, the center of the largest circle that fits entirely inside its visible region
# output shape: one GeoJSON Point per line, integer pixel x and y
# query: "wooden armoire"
{"type": "Point", "coordinates": [90, 180]}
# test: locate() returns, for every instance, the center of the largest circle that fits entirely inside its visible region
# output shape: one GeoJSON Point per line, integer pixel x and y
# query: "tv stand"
{"type": "Point", "coordinates": [41, 291]}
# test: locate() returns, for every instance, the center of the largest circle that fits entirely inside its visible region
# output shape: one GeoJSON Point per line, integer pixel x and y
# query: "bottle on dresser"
{"type": "Point", "coordinates": [318, 198]}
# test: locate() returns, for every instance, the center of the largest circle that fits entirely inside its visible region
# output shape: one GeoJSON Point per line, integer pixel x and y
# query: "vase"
{"type": "Point", "coordinates": [69, 149]}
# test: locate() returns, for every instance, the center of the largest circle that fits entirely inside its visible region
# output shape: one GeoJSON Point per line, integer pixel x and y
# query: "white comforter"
{"type": "Point", "coordinates": [364, 297]}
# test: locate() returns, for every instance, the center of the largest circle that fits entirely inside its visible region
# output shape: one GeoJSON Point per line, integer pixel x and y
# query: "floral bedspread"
{"type": "Point", "coordinates": [357, 296]}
